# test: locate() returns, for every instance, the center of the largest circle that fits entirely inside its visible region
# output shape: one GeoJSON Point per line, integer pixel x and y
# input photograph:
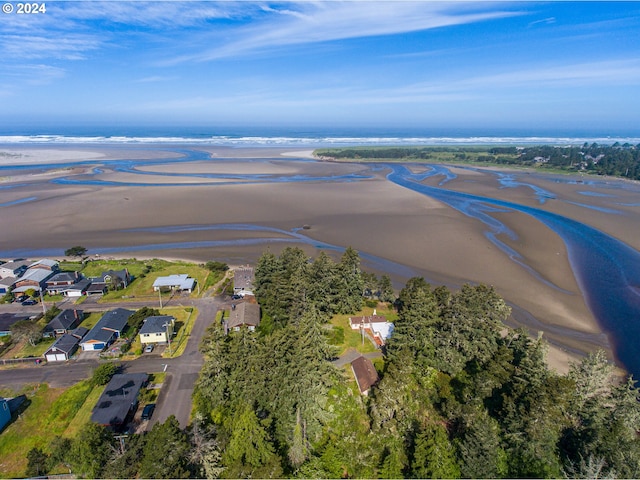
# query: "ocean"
{"type": "Point", "coordinates": [297, 137]}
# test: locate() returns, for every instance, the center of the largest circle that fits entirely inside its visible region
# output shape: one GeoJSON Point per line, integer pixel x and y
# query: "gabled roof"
{"type": "Point", "coordinates": [79, 286]}
{"type": "Point", "coordinates": [64, 320]}
{"type": "Point", "coordinates": [110, 322]}
{"type": "Point", "coordinates": [121, 274]}
{"type": "Point", "coordinates": [156, 324]}
{"type": "Point", "coordinates": [365, 373]}
{"type": "Point", "coordinates": [244, 314]}
{"type": "Point", "coordinates": [72, 277]}
{"type": "Point", "coordinates": [118, 397]}
{"type": "Point", "coordinates": [45, 262]}
{"type": "Point", "coordinates": [16, 267]}
{"type": "Point", "coordinates": [79, 332]}
{"type": "Point", "coordinates": [66, 343]}
{"type": "Point", "coordinates": [367, 319]}
{"type": "Point", "coordinates": [35, 274]}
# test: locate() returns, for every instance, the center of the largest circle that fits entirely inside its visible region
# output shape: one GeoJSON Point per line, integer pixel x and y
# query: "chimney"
{"type": "Point", "coordinates": [75, 314]}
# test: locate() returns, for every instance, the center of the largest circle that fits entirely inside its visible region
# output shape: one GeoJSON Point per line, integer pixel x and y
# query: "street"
{"type": "Point", "coordinates": [181, 372]}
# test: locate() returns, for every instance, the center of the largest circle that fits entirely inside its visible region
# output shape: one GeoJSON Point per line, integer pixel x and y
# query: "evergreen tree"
{"type": "Point", "coordinates": [434, 456]}
{"type": "Point", "coordinates": [166, 451]}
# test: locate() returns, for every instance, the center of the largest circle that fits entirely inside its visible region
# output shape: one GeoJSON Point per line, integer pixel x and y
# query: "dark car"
{"type": "Point", "coordinates": [147, 411]}
{"type": "Point", "coordinates": [236, 297]}
{"type": "Point", "coordinates": [21, 298]}
{"type": "Point", "coordinates": [29, 302]}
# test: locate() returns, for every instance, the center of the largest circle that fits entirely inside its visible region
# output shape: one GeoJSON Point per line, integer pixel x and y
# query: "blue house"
{"type": "Point", "coordinates": [5, 414]}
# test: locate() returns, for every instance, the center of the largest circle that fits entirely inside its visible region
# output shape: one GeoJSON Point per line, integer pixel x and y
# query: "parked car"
{"type": "Point", "coordinates": [147, 411]}
{"type": "Point", "coordinates": [148, 348]}
{"type": "Point", "coordinates": [29, 302]}
{"type": "Point", "coordinates": [21, 298]}
{"type": "Point", "coordinates": [236, 297]}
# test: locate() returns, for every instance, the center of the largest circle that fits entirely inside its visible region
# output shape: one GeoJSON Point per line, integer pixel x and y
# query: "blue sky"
{"type": "Point", "coordinates": [533, 66]}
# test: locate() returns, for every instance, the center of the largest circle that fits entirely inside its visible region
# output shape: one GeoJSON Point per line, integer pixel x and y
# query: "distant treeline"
{"type": "Point", "coordinates": [619, 160]}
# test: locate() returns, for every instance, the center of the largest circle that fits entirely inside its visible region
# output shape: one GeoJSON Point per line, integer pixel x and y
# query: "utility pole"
{"type": "Point", "coordinates": [160, 296]}
{"type": "Point", "coordinates": [44, 308]}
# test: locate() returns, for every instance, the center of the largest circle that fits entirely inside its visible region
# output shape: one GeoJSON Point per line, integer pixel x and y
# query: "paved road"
{"type": "Point", "coordinates": [182, 372]}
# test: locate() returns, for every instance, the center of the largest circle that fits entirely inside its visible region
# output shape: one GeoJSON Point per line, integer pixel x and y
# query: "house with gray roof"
{"type": "Point", "coordinates": [243, 314]}
{"type": "Point", "coordinates": [243, 278]}
{"type": "Point", "coordinates": [60, 281]}
{"type": "Point", "coordinates": [34, 278]}
{"type": "Point", "coordinates": [8, 319]}
{"type": "Point", "coordinates": [181, 283]}
{"type": "Point", "coordinates": [62, 349]}
{"type": "Point", "coordinates": [62, 323]}
{"type": "Point", "coordinates": [115, 279]}
{"type": "Point", "coordinates": [13, 269]}
{"type": "Point", "coordinates": [157, 329]}
{"type": "Point", "coordinates": [107, 330]}
{"type": "Point", "coordinates": [119, 400]}
{"type": "Point", "coordinates": [46, 264]}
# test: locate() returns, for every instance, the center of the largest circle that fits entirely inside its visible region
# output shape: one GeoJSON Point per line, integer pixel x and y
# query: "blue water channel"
{"type": "Point", "coordinates": [607, 270]}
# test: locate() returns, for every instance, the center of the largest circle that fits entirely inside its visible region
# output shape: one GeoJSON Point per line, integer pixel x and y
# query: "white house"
{"type": "Point", "coordinates": [182, 283]}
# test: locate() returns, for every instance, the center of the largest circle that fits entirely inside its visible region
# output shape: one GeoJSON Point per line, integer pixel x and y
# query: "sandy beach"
{"type": "Point", "coordinates": [238, 202]}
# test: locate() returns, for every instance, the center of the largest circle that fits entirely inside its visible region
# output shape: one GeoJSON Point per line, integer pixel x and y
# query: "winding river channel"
{"type": "Point", "coordinates": [607, 270]}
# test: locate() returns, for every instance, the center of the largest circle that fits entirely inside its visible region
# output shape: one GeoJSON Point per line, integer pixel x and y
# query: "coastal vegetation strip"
{"type": "Point", "coordinates": [620, 160]}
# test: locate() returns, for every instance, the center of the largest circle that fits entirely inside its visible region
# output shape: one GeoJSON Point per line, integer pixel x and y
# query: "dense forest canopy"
{"type": "Point", "coordinates": [460, 395]}
{"type": "Point", "coordinates": [619, 160]}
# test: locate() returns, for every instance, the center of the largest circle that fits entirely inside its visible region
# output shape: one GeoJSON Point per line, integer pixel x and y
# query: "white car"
{"type": "Point", "coordinates": [148, 348]}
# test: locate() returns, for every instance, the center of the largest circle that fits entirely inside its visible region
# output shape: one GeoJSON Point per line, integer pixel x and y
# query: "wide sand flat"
{"type": "Point", "coordinates": [373, 215]}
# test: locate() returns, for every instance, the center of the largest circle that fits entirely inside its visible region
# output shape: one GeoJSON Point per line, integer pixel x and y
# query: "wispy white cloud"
{"type": "Point", "coordinates": [71, 47]}
{"type": "Point", "coordinates": [312, 22]}
{"type": "Point", "coordinates": [31, 74]}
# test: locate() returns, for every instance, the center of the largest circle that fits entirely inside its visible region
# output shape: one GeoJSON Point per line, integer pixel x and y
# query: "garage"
{"type": "Point", "coordinates": [63, 348]}
{"type": "Point", "coordinates": [56, 357]}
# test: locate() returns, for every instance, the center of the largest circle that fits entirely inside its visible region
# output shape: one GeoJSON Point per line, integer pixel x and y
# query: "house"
{"type": "Point", "coordinates": [377, 325]}
{"type": "Point", "coordinates": [116, 279]}
{"type": "Point", "coordinates": [6, 283]}
{"type": "Point", "coordinates": [119, 400]}
{"type": "Point", "coordinates": [243, 279]}
{"type": "Point", "coordinates": [157, 329]}
{"type": "Point", "coordinates": [181, 283]}
{"type": "Point", "coordinates": [107, 330]}
{"type": "Point", "coordinates": [243, 314]}
{"type": "Point", "coordinates": [365, 373]}
{"type": "Point", "coordinates": [62, 323]}
{"type": "Point", "coordinates": [33, 278]}
{"type": "Point", "coordinates": [62, 349]}
{"type": "Point", "coordinates": [59, 282]}
{"type": "Point", "coordinates": [7, 320]}
{"type": "Point", "coordinates": [13, 269]}
{"type": "Point", "coordinates": [45, 264]}
{"type": "Point", "coordinates": [78, 289]}
{"type": "Point", "coordinates": [5, 414]}
{"type": "Point", "coordinates": [10, 407]}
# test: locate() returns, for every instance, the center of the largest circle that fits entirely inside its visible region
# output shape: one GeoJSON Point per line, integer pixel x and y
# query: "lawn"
{"type": "Point", "coordinates": [49, 412]}
{"type": "Point", "coordinates": [142, 285]}
{"type": "Point", "coordinates": [353, 338]}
